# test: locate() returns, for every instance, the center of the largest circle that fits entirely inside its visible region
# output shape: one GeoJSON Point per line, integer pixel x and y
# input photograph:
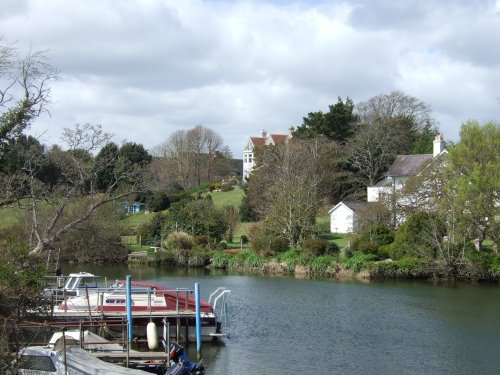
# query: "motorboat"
{"type": "Point", "coordinates": [172, 309]}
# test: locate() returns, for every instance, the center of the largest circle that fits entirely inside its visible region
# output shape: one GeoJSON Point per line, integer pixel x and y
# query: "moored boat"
{"type": "Point", "coordinates": [173, 309]}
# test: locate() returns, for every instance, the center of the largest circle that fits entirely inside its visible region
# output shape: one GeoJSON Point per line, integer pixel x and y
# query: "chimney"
{"type": "Point", "coordinates": [263, 133]}
{"type": "Point", "coordinates": [291, 129]}
{"type": "Point", "coordinates": [438, 145]}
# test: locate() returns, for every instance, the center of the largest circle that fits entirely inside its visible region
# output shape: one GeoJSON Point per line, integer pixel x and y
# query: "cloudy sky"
{"type": "Point", "coordinates": [144, 69]}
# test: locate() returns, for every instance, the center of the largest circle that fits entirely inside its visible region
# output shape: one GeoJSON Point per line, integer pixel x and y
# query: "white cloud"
{"type": "Point", "coordinates": [144, 69]}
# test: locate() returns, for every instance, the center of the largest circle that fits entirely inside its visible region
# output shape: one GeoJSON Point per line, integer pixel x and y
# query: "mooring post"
{"type": "Point", "coordinates": [129, 311]}
{"type": "Point", "coordinates": [198, 319]}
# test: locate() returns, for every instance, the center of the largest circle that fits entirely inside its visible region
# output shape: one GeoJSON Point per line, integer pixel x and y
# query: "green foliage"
{"type": "Point", "coordinates": [151, 230]}
{"type": "Point", "coordinates": [135, 153]}
{"type": "Point", "coordinates": [179, 241]}
{"type": "Point", "coordinates": [265, 242]}
{"type": "Point", "coordinates": [157, 201]}
{"type": "Point", "coordinates": [214, 186]}
{"type": "Point", "coordinates": [337, 124]}
{"type": "Point", "coordinates": [332, 248]}
{"type": "Point", "coordinates": [324, 264]}
{"type": "Point", "coordinates": [244, 239]}
{"type": "Point", "coordinates": [199, 257]}
{"type": "Point", "coordinates": [315, 246]}
{"type": "Point", "coordinates": [415, 237]}
{"type": "Point", "coordinates": [358, 261]}
{"type": "Point", "coordinates": [247, 213]}
{"type": "Point", "coordinates": [220, 259]}
{"type": "Point", "coordinates": [372, 238]}
{"type": "Point", "coordinates": [105, 166]}
{"type": "Point", "coordinates": [198, 217]}
{"type": "Point", "coordinates": [246, 260]}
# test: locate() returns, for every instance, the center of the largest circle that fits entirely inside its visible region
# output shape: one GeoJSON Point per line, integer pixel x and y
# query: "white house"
{"type": "Point", "coordinates": [265, 139]}
{"type": "Point", "coordinates": [404, 167]}
{"type": "Point", "coordinates": [344, 217]}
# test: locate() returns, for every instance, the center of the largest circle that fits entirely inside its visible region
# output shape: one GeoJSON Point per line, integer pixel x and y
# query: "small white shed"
{"type": "Point", "coordinates": [344, 216]}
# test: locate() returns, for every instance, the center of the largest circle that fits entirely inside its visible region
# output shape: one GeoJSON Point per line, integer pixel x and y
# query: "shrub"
{"type": "Point", "coordinates": [220, 260]}
{"type": "Point", "coordinates": [266, 242]}
{"type": "Point", "coordinates": [314, 246]}
{"type": "Point", "coordinates": [358, 261]}
{"type": "Point", "coordinates": [157, 202]}
{"type": "Point", "coordinates": [179, 241]}
{"type": "Point", "coordinates": [214, 186]}
{"type": "Point", "coordinates": [199, 257]}
{"type": "Point", "coordinates": [332, 249]}
{"type": "Point", "coordinates": [372, 238]}
{"type": "Point", "coordinates": [227, 187]}
{"type": "Point", "coordinates": [321, 265]}
{"type": "Point", "coordinates": [244, 239]}
{"type": "Point", "coordinates": [414, 236]}
{"type": "Point", "coordinates": [201, 240]}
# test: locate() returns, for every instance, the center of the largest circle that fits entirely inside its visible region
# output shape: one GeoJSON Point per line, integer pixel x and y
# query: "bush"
{"type": "Point", "coordinates": [414, 236]}
{"type": "Point", "coordinates": [315, 246]}
{"type": "Point", "coordinates": [157, 202]}
{"type": "Point", "coordinates": [227, 187]}
{"type": "Point", "coordinates": [372, 238]}
{"type": "Point", "coordinates": [358, 261]}
{"type": "Point", "coordinates": [199, 257]}
{"type": "Point", "coordinates": [214, 186]}
{"type": "Point", "coordinates": [201, 240]}
{"type": "Point", "coordinates": [265, 242]}
{"type": "Point", "coordinates": [179, 241]}
{"type": "Point", "coordinates": [332, 249]}
{"type": "Point", "coordinates": [244, 239]}
{"type": "Point", "coordinates": [220, 260]}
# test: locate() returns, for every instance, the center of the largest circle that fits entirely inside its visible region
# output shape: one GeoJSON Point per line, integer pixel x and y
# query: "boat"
{"type": "Point", "coordinates": [172, 309]}
{"type": "Point", "coordinates": [73, 360]}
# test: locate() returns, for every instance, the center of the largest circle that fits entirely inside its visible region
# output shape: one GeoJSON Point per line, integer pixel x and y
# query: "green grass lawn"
{"type": "Point", "coordinates": [228, 198]}
{"type": "Point", "coordinates": [134, 221]}
{"type": "Point", "coordinates": [10, 216]}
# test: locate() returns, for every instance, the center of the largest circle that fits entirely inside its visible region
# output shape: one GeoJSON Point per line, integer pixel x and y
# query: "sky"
{"type": "Point", "coordinates": [145, 69]}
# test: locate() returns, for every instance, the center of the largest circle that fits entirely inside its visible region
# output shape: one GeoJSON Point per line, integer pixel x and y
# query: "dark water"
{"type": "Point", "coordinates": [284, 325]}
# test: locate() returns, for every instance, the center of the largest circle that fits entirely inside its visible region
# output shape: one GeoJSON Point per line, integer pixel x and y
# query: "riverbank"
{"type": "Point", "coordinates": [358, 266]}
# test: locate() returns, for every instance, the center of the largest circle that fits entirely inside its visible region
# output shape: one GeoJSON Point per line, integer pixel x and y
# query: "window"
{"type": "Point", "coordinates": [36, 362]}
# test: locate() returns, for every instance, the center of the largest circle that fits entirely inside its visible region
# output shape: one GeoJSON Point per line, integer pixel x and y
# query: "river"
{"type": "Point", "coordinates": [284, 325]}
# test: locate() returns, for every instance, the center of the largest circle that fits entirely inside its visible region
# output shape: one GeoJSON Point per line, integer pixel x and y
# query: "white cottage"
{"type": "Point", "coordinates": [344, 217]}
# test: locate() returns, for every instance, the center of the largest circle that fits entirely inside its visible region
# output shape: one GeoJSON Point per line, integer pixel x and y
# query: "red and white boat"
{"type": "Point", "coordinates": [173, 309]}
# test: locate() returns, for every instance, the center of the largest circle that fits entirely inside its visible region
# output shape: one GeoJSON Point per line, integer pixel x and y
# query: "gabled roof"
{"type": "Point", "coordinates": [258, 141]}
{"type": "Point", "coordinates": [385, 182]}
{"type": "Point", "coordinates": [279, 138]}
{"type": "Point", "coordinates": [408, 165]}
{"type": "Point", "coordinates": [354, 206]}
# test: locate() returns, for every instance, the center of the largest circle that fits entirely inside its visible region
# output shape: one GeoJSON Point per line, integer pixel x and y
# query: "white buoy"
{"type": "Point", "coordinates": [152, 335]}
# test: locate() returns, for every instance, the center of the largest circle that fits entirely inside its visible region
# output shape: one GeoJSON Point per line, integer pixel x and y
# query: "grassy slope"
{"type": "Point", "coordinates": [229, 198]}
{"type": "Point", "coordinates": [9, 216]}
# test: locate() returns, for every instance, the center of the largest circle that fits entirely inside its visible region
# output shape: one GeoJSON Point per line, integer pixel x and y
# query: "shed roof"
{"type": "Point", "coordinates": [354, 206]}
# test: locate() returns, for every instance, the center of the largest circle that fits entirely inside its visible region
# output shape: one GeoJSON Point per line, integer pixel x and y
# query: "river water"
{"type": "Point", "coordinates": [285, 325]}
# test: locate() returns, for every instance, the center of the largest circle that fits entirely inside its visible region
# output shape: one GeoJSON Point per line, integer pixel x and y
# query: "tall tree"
{"type": "Point", "coordinates": [388, 125]}
{"type": "Point", "coordinates": [76, 196]}
{"type": "Point", "coordinates": [337, 124]}
{"type": "Point", "coordinates": [193, 155]}
{"type": "Point", "coordinates": [26, 89]}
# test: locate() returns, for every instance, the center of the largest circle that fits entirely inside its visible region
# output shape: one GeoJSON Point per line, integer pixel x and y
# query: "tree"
{"type": "Point", "coordinates": [337, 124]}
{"type": "Point", "coordinates": [198, 217]}
{"type": "Point", "coordinates": [191, 157]}
{"type": "Point", "coordinates": [26, 91]}
{"type": "Point", "coordinates": [288, 184]}
{"type": "Point", "coordinates": [135, 153]}
{"type": "Point", "coordinates": [76, 187]}
{"type": "Point", "coordinates": [105, 165]}
{"type": "Point", "coordinates": [473, 168]}
{"type": "Point", "coordinates": [461, 190]}
{"type": "Point", "coordinates": [232, 218]}
{"type": "Point", "coordinates": [388, 125]}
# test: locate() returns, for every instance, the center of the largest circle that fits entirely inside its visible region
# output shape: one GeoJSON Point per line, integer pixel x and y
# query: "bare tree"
{"type": "Point", "coordinates": [193, 155]}
{"type": "Point", "coordinates": [388, 125]}
{"type": "Point", "coordinates": [76, 197]}
{"type": "Point", "coordinates": [25, 89]}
